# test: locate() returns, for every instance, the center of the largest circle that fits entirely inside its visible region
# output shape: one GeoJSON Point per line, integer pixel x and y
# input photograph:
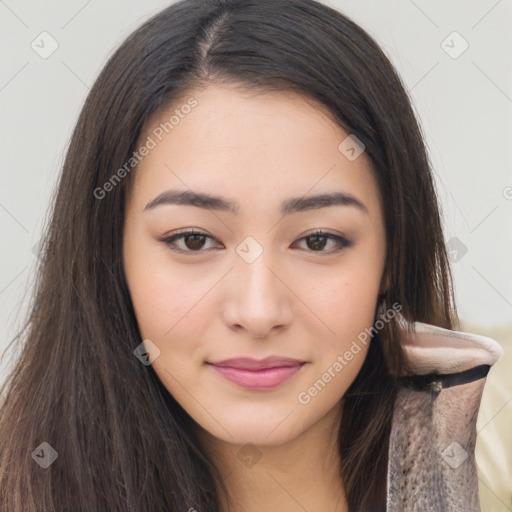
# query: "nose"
{"type": "Point", "coordinates": [258, 297]}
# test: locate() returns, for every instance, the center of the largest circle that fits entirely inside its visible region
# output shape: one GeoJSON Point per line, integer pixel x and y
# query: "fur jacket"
{"type": "Point", "coordinates": [431, 464]}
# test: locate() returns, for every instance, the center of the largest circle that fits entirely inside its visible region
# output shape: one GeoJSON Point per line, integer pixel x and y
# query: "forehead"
{"type": "Point", "coordinates": [250, 146]}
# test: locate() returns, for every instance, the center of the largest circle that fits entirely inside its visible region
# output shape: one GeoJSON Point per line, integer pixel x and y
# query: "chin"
{"type": "Point", "coordinates": [272, 428]}
{"type": "Point", "coordinates": [257, 436]}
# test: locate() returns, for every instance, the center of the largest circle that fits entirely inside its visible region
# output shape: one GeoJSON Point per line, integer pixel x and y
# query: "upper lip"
{"type": "Point", "coordinates": [258, 364]}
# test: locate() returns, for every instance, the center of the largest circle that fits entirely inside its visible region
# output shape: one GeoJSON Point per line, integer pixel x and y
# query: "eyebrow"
{"type": "Point", "coordinates": [288, 206]}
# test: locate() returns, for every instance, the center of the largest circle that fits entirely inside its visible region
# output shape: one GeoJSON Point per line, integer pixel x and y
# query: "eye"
{"type": "Point", "coordinates": [319, 239]}
{"type": "Point", "coordinates": [194, 241]}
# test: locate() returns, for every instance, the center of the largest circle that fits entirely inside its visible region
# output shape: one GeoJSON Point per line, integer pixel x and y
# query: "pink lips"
{"type": "Point", "coordinates": [263, 374]}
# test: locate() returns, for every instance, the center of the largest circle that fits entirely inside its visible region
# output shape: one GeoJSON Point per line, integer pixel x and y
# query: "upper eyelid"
{"type": "Point", "coordinates": [341, 240]}
{"type": "Point", "coordinates": [315, 232]}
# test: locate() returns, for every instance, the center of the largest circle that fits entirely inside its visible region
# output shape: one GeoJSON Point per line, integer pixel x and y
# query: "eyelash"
{"type": "Point", "coordinates": [341, 241]}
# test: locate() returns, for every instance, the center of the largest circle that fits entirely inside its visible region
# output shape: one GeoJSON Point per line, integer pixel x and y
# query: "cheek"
{"type": "Point", "coordinates": [165, 297]}
{"type": "Point", "coordinates": [339, 352]}
{"type": "Point", "coordinates": [167, 303]}
{"type": "Point", "coordinates": [345, 300]}
{"type": "Point", "coordinates": [349, 314]}
{"type": "Point", "coordinates": [345, 303]}
{"type": "Point", "coordinates": [175, 321]}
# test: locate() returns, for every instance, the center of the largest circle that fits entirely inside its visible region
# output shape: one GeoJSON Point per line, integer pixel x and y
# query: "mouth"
{"type": "Point", "coordinates": [248, 363]}
{"type": "Point", "coordinates": [253, 374]}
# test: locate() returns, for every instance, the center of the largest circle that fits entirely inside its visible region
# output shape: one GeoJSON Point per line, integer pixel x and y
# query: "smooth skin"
{"type": "Point", "coordinates": [304, 298]}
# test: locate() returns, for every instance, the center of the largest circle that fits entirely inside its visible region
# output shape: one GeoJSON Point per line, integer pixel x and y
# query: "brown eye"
{"type": "Point", "coordinates": [317, 241]}
{"type": "Point", "coordinates": [192, 241]}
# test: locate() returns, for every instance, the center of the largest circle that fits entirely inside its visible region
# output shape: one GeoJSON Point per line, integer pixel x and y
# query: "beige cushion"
{"type": "Point", "coordinates": [494, 426]}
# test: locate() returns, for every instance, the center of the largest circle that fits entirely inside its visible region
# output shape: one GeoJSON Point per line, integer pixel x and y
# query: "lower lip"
{"type": "Point", "coordinates": [258, 379]}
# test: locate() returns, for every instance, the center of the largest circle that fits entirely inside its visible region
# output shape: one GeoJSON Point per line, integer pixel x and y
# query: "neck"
{"type": "Point", "coordinates": [301, 474]}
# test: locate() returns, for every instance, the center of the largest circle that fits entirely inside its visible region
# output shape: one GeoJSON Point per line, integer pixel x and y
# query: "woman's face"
{"type": "Point", "coordinates": [255, 282]}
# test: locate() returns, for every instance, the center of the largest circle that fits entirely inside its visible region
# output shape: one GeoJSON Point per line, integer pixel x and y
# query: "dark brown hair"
{"type": "Point", "coordinates": [123, 442]}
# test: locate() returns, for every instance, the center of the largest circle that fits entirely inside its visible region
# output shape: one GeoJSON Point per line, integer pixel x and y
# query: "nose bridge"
{"type": "Point", "coordinates": [257, 299]}
{"type": "Point", "coordinates": [253, 270]}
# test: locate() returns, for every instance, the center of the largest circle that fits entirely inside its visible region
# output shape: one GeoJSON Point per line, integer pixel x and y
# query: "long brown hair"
{"type": "Point", "coordinates": [123, 442]}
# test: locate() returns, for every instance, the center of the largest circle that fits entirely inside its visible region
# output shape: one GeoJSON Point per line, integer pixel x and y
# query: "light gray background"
{"type": "Point", "coordinates": [464, 104]}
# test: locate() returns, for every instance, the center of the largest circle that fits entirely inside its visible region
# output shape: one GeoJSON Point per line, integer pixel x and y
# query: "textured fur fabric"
{"type": "Point", "coordinates": [431, 464]}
